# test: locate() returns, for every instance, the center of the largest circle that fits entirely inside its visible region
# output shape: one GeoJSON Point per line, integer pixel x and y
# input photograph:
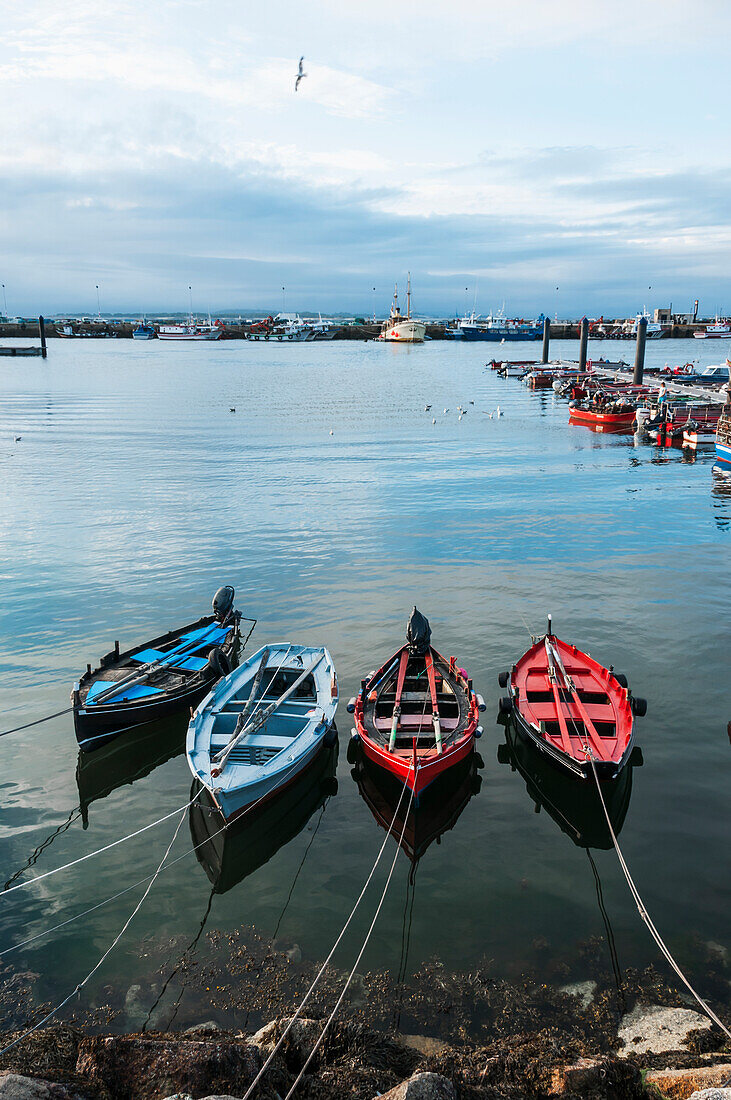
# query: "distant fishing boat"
{"type": "Point", "coordinates": [720, 330]}
{"type": "Point", "coordinates": [496, 328]}
{"type": "Point", "coordinates": [285, 328]}
{"type": "Point", "coordinates": [571, 709]}
{"type": "Point", "coordinates": [416, 717]}
{"type": "Point", "coordinates": [144, 332]}
{"type": "Point", "coordinates": [397, 329]}
{"type": "Point", "coordinates": [262, 725]}
{"type": "Point", "coordinates": [165, 676]}
{"type": "Point", "coordinates": [191, 330]}
{"type": "Point", "coordinates": [654, 330]}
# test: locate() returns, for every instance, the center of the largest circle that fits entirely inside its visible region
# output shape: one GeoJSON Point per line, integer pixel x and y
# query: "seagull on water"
{"type": "Point", "coordinates": [300, 75]}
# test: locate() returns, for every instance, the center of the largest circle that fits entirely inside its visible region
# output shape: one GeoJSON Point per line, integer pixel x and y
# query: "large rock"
{"type": "Point", "coordinates": [423, 1086]}
{"type": "Point", "coordinates": [135, 1068]}
{"type": "Point", "coordinates": [680, 1084]}
{"type": "Point", "coordinates": [13, 1086]}
{"type": "Point", "coordinates": [653, 1029]}
{"type": "Point", "coordinates": [298, 1045]}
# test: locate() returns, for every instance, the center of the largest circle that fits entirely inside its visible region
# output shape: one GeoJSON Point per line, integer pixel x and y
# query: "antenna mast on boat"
{"type": "Point", "coordinates": [408, 297]}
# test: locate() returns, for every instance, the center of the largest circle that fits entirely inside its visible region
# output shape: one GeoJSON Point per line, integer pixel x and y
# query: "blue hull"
{"type": "Point", "coordinates": [496, 335]}
{"type": "Point", "coordinates": [723, 453]}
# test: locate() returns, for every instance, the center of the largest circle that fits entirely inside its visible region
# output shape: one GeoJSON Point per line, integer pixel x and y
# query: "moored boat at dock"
{"type": "Point", "coordinates": [191, 330]}
{"type": "Point", "coordinates": [416, 717]}
{"type": "Point", "coordinates": [723, 435]}
{"type": "Point", "coordinates": [574, 711]}
{"type": "Point", "coordinates": [262, 725]}
{"type": "Point", "coordinates": [719, 330]}
{"type": "Point", "coordinates": [144, 331]}
{"type": "Point", "coordinates": [397, 329]}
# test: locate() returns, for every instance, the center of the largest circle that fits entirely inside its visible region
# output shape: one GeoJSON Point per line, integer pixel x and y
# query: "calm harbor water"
{"type": "Point", "coordinates": [332, 503]}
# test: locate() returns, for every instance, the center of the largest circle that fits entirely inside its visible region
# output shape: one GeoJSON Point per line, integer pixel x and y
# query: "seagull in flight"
{"type": "Point", "coordinates": [300, 74]}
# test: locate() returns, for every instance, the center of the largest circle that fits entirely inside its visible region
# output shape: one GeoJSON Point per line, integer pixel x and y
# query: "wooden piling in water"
{"type": "Point", "coordinates": [583, 342]}
{"type": "Point", "coordinates": [42, 331]}
{"type": "Point", "coordinates": [546, 338]}
{"type": "Point", "coordinates": [639, 366]}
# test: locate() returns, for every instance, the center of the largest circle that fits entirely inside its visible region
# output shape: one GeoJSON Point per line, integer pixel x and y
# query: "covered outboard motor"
{"type": "Point", "coordinates": [418, 634]}
{"type": "Point", "coordinates": [223, 603]}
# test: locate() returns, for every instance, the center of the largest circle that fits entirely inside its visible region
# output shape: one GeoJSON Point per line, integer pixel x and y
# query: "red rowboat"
{"type": "Point", "coordinates": [571, 708]}
{"type": "Point", "coordinates": [603, 421]}
{"type": "Point", "coordinates": [416, 717]}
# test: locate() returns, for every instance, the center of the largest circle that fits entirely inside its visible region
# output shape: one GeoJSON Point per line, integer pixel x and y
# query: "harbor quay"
{"type": "Point", "coordinates": [348, 329]}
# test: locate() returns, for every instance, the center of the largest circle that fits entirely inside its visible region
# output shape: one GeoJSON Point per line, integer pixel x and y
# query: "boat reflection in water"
{"type": "Point", "coordinates": [573, 804]}
{"type": "Point", "coordinates": [229, 853]}
{"type": "Point", "coordinates": [128, 759]}
{"type": "Point", "coordinates": [439, 807]}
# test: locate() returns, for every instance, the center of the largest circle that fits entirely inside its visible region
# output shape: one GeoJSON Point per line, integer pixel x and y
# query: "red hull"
{"type": "Point", "coordinates": [430, 765]}
{"type": "Point", "coordinates": [603, 421]}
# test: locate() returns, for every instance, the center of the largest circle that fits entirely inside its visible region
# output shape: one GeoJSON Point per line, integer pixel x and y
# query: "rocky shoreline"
{"type": "Point", "coordinates": [436, 1036]}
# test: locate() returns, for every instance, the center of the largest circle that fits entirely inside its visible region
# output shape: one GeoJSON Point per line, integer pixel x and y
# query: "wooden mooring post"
{"type": "Point", "coordinates": [639, 367]}
{"type": "Point", "coordinates": [583, 342]}
{"type": "Point", "coordinates": [546, 338]}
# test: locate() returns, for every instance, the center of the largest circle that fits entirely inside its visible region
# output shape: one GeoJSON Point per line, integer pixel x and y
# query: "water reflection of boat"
{"type": "Point", "coordinates": [127, 759]}
{"type": "Point", "coordinates": [436, 813]}
{"type": "Point", "coordinates": [230, 853]}
{"type": "Point", "coordinates": [574, 805]}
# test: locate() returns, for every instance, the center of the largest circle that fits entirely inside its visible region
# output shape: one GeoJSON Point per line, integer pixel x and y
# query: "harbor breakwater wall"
{"type": "Point", "coordinates": [234, 331]}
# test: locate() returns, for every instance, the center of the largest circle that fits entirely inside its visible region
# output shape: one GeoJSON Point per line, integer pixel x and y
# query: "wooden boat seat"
{"type": "Point", "coordinates": [416, 721]}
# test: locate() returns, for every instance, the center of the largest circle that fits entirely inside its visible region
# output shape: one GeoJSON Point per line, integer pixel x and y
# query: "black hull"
{"type": "Point", "coordinates": [98, 728]}
{"type": "Point", "coordinates": [605, 770]}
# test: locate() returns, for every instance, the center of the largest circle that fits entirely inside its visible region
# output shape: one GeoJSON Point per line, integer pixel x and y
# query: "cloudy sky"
{"type": "Point", "coordinates": [508, 148]}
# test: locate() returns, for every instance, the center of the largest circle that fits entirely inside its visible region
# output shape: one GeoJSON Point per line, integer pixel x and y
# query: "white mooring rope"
{"type": "Point", "coordinates": [321, 971]}
{"type": "Point", "coordinates": [643, 911]}
{"type": "Point", "coordinates": [106, 848]}
{"type": "Point", "coordinates": [113, 944]}
{"type": "Point", "coordinates": [331, 1017]}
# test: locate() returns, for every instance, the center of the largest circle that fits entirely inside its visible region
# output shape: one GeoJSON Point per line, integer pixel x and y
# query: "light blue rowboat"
{"type": "Point", "coordinates": [262, 724]}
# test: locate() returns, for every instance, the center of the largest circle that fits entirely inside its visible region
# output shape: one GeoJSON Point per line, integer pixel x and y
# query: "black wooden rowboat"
{"type": "Point", "coordinates": [163, 677]}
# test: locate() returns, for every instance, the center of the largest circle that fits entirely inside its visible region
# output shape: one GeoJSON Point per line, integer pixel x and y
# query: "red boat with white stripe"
{"type": "Point", "coordinates": [416, 717]}
{"type": "Point", "coordinates": [571, 708]}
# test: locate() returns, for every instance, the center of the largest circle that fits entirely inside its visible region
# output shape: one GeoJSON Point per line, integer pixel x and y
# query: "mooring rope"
{"type": "Point", "coordinates": [322, 969]}
{"type": "Point", "coordinates": [139, 882]}
{"type": "Point", "coordinates": [38, 721]}
{"type": "Point", "coordinates": [98, 851]}
{"type": "Point", "coordinates": [344, 990]}
{"type": "Point", "coordinates": [105, 956]}
{"type": "Point", "coordinates": [643, 911]}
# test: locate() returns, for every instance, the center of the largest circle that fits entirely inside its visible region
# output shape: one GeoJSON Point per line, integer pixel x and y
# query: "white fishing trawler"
{"type": "Point", "coordinates": [398, 329]}
{"type": "Point", "coordinates": [191, 330]}
{"type": "Point", "coordinates": [721, 330]}
{"type": "Point", "coordinates": [654, 329]}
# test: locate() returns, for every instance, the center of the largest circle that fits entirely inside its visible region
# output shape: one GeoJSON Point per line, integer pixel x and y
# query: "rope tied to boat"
{"type": "Point", "coordinates": [334, 947]}
{"type": "Point", "coordinates": [98, 851]}
{"type": "Point", "coordinates": [80, 985]}
{"type": "Point", "coordinates": [642, 909]}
